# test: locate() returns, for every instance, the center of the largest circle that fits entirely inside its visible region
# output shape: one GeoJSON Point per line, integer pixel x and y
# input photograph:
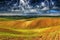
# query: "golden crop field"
{"type": "Point", "coordinates": [41, 28]}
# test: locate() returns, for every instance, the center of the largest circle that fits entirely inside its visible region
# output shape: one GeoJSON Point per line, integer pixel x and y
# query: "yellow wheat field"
{"type": "Point", "coordinates": [44, 28]}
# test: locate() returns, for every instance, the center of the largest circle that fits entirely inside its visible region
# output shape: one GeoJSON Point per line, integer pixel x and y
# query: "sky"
{"type": "Point", "coordinates": [32, 2]}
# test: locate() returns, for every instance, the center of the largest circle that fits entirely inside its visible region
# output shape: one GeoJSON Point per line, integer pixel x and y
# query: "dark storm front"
{"type": "Point", "coordinates": [30, 7]}
{"type": "Point", "coordinates": [6, 5]}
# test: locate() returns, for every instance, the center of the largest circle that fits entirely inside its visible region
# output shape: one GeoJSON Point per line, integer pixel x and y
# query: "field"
{"type": "Point", "coordinates": [38, 28]}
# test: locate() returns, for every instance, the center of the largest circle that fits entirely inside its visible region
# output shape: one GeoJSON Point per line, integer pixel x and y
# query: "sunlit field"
{"type": "Point", "coordinates": [38, 28]}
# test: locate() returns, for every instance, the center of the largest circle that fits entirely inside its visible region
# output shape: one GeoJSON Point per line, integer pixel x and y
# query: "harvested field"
{"type": "Point", "coordinates": [44, 28]}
